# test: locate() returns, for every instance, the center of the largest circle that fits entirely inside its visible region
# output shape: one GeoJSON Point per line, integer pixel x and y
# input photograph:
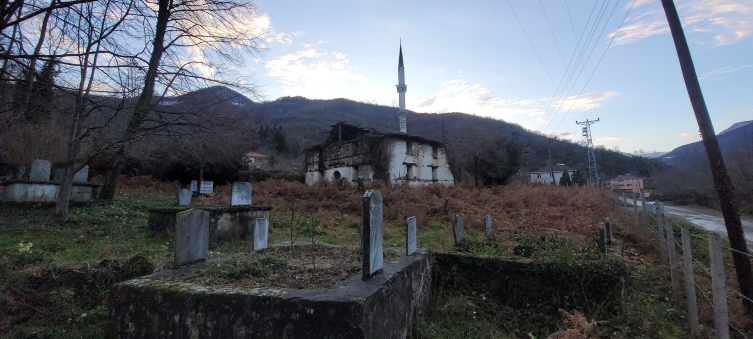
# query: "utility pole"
{"type": "Point", "coordinates": [593, 174]}
{"type": "Point", "coordinates": [551, 167]}
{"type": "Point", "coordinates": [722, 182]}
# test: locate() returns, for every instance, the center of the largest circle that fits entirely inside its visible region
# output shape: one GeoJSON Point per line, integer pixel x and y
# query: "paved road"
{"type": "Point", "coordinates": [709, 220]}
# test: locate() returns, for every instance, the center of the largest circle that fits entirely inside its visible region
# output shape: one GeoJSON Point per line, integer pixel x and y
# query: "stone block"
{"type": "Point", "coordinates": [488, 225]}
{"type": "Point", "coordinates": [191, 237]}
{"type": "Point", "coordinates": [194, 185]}
{"type": "Point", "coordinates": [240, 194]}
{"type": "Point", "coordinates": [40, 170]}
{"type": "Point", "coordinates": [371, 237]}
{"type": "Point", "coordinates": [184, 197]}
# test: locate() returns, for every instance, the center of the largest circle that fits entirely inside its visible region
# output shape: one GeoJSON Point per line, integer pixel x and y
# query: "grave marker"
{"type": "Point", "coordinates": [82, 175]}
{"type": "Point", "coordinates": [458, 230]}
{"type": "Point", "coordinates": [261, 230]}
{"type": "Point", "coordinates": [21, 175]}
{"type": "Point", "coordinates": [360, 185]}
{"type": "Point", "coordinates": [371, 236]}
{"type": "Point", "coordinates": [40, 170]}
{"type": "Point", "coordinates": [194, 185]}
{"type": "Point", "coordinates": [488, 224]}
{"type": "Point", "coordinates": [191, 236]}
{"type": "Point", "coordinates": [410, 236]}
{"type": "Point", "coordinates": [58, 174]}
{"type": "Point", "coordinates": [206, 187]}
{"type": "Point", "coordinates": [240, 194]}
{"type": "Point", "coordinates": [184, 197]}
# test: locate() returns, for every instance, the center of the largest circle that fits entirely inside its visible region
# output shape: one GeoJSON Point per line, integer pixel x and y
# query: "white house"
{"type": "Point", "coordinates": [354, 151]}
{"type": "Point", "coordinates": [544, 174]}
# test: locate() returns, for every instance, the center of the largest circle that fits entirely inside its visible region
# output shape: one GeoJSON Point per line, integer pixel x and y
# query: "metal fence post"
{"type": "Point", "coordinates": [687, 258]}
{"type": "Point", "coordinates": [719, 287]}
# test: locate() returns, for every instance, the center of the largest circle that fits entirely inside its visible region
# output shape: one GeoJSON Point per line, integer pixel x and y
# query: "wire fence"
{"type": "Point", "coordinates": [717, 299]}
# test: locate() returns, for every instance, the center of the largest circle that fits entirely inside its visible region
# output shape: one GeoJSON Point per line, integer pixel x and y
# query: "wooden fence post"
{"type": "Point", "coordinates": [645, 211]}
{"type": "Point", "coordinates": [662, 239]}
{"type": "Point", "coordinates": [687, 258]}
{"type": "Point", "coordinates": [718, 287]}
{"type": "Point", "coordinates": [671, 248]}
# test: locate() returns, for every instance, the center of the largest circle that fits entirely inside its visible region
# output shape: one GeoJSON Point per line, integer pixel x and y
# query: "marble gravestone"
{"type": "Point", "coordinates": [240, 194]}
{"type": "Point", "coordinates": [191, 237]}
{"type": "Point", "coordinates": [184, 197]}
{"type": "Point", "coordinates": [410, 236]}
{"type": "Point", "coordinates": [206, 187]}
{"type": "Point", "coordinates": [371, 237]}
{"type": "Point", "coordinates": [260, 232]}
{"type": "Point", "coordinates": [194, 185]}
{"type": "Point", "coordinates": [82, 175]}
{"type": "Point", "coordinates": [488, 225]}
{"type": "Point", "coordinates": [458, 230]}
{"type": "Point", "coordinates": [40, 170]}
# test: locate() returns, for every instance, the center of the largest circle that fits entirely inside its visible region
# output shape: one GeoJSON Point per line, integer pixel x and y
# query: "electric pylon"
{"type": "Point", "coordinates": [593, 174]}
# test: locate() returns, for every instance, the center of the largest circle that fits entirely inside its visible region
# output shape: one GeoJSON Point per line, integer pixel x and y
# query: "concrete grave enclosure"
{"type": "Point", "coordinates": [38, 187]}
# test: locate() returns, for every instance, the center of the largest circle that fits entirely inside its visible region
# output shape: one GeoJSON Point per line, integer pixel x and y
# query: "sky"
{"type": "Point", "coordinates": [541, 64]}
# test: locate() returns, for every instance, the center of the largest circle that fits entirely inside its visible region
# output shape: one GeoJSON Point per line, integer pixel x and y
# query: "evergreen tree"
{"type": "Point", "coordinates": [278, 141]}
{"type": "Point", "coordinates": [565, 179]}
{"type": "Point", "coordinates": [41, 102]}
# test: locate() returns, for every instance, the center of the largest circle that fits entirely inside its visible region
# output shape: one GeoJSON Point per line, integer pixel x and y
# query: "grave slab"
{"type": "Point", "coordinates": [191, 237]}
{"type": "Point", "coordinates": [371, 241]}
{"type": "Point", "coordinates": [184, 197]}
{"type": "Point", "coordinates": [82, 175]}
{"type": "Point", "coordinates": [206, 187]}
{"type": "Point", "coordinates": [261, 232]}
{"type": "Point", "coordinates": [40, 170]}
{"type": "Point", "coordinates": [488, 225]}
{"type": "Point", "coordinates": [240, 194]}
{"type": "Point", "coordinates": [194, 185]}
{"type": "Point", "coordinates": [410, 236]}
{"type": "Point", "coordinates": [458, 229]}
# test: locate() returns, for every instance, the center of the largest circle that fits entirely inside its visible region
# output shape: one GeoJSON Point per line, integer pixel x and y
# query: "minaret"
{"type": "Point", "coordinates": [401, 88]}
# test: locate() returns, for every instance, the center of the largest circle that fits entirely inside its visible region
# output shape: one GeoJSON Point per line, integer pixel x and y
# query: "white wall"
{"type": "Point", "coordinates": [422, 161]}
{"type": "Point", "coordinates": [547, 177]}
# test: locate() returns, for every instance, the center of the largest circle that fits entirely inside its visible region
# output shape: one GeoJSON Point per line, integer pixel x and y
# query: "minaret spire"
{"type": "Point", "coordinates": [401, 89]}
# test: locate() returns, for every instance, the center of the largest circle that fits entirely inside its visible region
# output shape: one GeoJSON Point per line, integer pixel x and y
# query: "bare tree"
{"type": "Point", "coordinates": [213, 32]}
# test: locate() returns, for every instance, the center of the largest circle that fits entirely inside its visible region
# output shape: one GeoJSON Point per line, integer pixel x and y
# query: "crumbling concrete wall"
{"type": "Point", "coordinates": [387, 306]}
{"type": "Point", "coordinates": [428, 162]}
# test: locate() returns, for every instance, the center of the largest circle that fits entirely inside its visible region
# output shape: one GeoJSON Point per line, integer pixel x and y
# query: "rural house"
{"type": "Point", "coordinates": [255, 160]}
{"type": "Point", "coordinates": [627, 183]}
{"type": "Point", "coordinates": [354, 151]}
{"type": "Point", "coordinates": [544, 174]}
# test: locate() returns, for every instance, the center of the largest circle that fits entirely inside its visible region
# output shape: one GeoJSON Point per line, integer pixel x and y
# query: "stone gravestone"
{"type": "Point", "coordinates": [206, 187]}
{"type": "Point", "coordinates": [371, 237]}
{"type": "Point", "coordinates": [360, 185]}
{"type": "Point", "coordinates": [240, 194]}
{"type": "Point", "coordinates": [342, 184]}
{"type": "Point", "coordinates": [488, 225]}
{"type": "Point", "coordinates": [194, 185]}
{"type": "Point", "coordinates": [22, 173]}
{"type": "Point", "coordinates": [184, 197]}
{"type": "Point", "coordinates": [82, 175]}
{"type": "Point", "coordinates": [58, 174]}
{"type": "Point", "coordinates": [410, 236]}
{"type": "Point", "coordinates": [457, 229]}
{"type": "Point", "coordinates": [40, 170]}
{"type": "Point", "coordinates": [191, 236]}
{"type": "Point", "coordinates": [261, 230]}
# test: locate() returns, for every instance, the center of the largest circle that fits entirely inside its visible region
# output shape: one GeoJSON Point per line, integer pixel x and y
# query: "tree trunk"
{"type": "Point", "coordinates": [143, 105]}
{"type": "Point", "coordinates": [722, 182]}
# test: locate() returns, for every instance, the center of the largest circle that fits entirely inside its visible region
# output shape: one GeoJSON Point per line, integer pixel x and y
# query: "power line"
{"type": "Point", "coordinates": [602, 57]}
{"type": "Point", "coordinates": [530, 42]}
{"type": "Point", "coordinates": [579, 40]}
{"type": "Point", "coordinates": [567, 77]}
{"type": "Point", "coordinates": [553, 36]}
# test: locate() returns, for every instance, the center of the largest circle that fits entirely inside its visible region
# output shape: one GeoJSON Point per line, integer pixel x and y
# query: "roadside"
{"type": "Point", "coordinates": [707, 219]}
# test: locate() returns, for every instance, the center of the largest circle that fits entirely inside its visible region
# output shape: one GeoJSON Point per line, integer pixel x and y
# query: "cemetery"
{"type": "Point", "coordinates": [389, 262]}
{"type": "Point", "coordinates": [35, 185]}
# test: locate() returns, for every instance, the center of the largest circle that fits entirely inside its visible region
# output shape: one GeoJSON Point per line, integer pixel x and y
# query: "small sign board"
{"type": "Point", "coordinates": [206, 187]}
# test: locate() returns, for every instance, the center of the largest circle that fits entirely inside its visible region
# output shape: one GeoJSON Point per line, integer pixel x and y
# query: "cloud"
{"type": "Point", "coordinates": [583, 102]}
{"type": "Point", "coordinates": [726, 70]}
{"type": "Point", "coordinates": [312, 73]}
{"type": "Point", "coordinates": [724, 22]}
{"type": "Point", "coordinates": [561, 135]}
{"type": "Point", "coordinates": [687, 135]}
